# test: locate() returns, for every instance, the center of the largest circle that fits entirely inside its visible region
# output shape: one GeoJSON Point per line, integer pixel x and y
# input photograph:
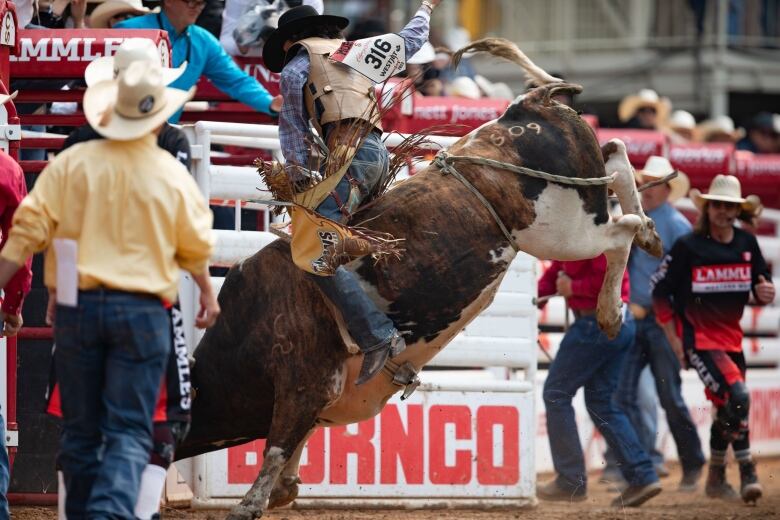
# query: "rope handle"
{"type": "Point", "coordinates": [445, 162]}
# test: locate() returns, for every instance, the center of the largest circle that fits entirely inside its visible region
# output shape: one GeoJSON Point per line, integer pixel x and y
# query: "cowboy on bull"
{"type": "Point", "coordinates": [332, 96]}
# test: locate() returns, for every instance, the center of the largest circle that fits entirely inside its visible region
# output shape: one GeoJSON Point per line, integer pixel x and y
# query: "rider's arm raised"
{"type": "Point", "coordinates": [415, 34]}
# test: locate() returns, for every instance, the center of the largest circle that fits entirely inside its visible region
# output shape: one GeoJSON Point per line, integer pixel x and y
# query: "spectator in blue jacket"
{"type": "Point", "coordinates": [204, 55]}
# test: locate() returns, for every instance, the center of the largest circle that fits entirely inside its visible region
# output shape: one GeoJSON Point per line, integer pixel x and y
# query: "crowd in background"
{"type": "Point", "coordinates": [241, 25]}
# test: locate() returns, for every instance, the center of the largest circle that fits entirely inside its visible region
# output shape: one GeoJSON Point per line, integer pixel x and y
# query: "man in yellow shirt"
{"type": "Point", "coordinates": [119, 217]}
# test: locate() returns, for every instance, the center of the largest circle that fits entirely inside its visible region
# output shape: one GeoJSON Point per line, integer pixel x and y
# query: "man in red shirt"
{"type": "Point", "coordinates": [699, 294]}
{"type": "Point", "coordinates": [587, 358]}
{"type": "Point", "coordinates": [12, 191]}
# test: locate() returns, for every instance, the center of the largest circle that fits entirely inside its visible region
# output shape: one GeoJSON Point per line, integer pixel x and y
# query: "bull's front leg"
{"type": "Point", "coordinates": [624, 186]}
{"type": "Point", "coordinates": [293, 419]}
{"type": "Point", "coordinates": [619, 237]}
{"type": "Point", "coordinates": [286, 488]}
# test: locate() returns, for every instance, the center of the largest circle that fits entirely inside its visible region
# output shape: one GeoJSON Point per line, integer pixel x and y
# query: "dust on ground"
{"type": "Point", "coordinates": [670, 505]}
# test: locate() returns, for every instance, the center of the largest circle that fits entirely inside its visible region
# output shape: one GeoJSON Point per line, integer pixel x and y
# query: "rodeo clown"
{"type": "Point", "coordinates": [325, 84]}
{"type": "Point", "coordinates": [700, 292]}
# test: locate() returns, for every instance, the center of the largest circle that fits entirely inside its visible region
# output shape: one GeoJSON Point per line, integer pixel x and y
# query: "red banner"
{"type": "Point", "coordinates": [702, 161]}
{"type": "Point", "coordinates": [65, 53]}
{"type": "Point", "coordinates": [640, 144]}
{"type": "Point", "coordinates": [759, 174]}
{"type": "Point", "coordinates": [437, 111]}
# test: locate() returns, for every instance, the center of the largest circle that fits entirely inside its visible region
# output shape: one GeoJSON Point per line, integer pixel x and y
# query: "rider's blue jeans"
{"type": "Point", "coordinates": [369, 326]}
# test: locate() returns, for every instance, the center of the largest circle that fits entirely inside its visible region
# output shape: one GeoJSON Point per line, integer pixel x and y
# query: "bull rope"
{"type": "Point", "coordinates": [445, 162]}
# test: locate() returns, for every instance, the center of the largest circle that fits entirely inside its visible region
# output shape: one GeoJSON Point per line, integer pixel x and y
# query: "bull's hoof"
{"type": "Point", "coordinates": [648, 240]}
{"type": "Point", "coordinates": [243, 511]}
{"type": "Point", "coordinates": [284, 492]}
{"type": "Point", "coordinates": [610, 322]}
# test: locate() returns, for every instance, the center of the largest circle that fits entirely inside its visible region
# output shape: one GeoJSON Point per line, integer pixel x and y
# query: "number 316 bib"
{"type": "Point", "coordinates": [378, 58]}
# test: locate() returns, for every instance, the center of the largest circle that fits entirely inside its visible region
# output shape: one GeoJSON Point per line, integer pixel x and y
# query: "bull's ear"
{"type": "Point", "coordinates": [543, 94]}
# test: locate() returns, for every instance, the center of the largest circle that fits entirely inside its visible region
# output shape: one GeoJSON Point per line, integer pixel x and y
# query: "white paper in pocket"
{"type": "Point", "coordinates": [67, 274]}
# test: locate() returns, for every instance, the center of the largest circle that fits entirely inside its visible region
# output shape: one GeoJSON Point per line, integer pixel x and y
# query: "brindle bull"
{"type": "Point", "coordinates": [276, 364]}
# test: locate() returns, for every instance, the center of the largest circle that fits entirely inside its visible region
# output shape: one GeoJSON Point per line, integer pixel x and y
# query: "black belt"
{"type": "Point", "coordinates": [582, 313]}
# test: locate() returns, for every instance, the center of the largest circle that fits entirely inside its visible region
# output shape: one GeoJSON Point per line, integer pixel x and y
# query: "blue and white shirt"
{"type": "Point", "coordinates": [293, 119]}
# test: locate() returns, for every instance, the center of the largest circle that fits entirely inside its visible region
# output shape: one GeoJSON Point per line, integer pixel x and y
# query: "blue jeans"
{"type": "Point", "coordinates": [112, 350]}
{"type": "Point", "coordinates": [5, 472]}
{"type": "Point", "coordinates": [587, 358]}
{"type": "Point", "coordinates": [369, 326]}
{"type": "Point", "coordinates": [647, 410]}
{"type": "Point", "coordinates": [653, 349]}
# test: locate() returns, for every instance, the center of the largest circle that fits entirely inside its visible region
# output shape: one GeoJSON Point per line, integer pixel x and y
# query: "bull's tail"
{"type": "Point", "coordinates": [508, 50]}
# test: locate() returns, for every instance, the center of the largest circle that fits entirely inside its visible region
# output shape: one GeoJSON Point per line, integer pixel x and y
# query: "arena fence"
{"type": "Point", "coordinates": [456, 442]}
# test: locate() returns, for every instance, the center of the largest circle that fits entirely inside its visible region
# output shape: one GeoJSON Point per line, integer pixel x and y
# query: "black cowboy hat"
{"type": "Point", "coordinates": [290, 23]}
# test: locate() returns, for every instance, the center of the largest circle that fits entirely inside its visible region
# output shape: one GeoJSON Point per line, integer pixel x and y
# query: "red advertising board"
{"type": "Point", "coordinates": [65, 53]}
{"type": "Point", "coordinates": [702, 161]}
{"type": "Point", "coordinates": [640, 144]}
{"type": "Point", "coordinates": [760, 175]}
{"type": "Point", "coordinates": [444, 454]}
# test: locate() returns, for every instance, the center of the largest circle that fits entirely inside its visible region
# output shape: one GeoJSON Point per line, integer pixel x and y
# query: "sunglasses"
{"type": "Point", "coordinates": [646, 110]}
{"type": "Point", "coordinates": [717, 204]}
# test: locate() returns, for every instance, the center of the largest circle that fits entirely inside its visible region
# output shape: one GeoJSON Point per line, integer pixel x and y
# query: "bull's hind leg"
{"type": "Point", "coordinates": [286, 488]}
{"type": "Point", "coordinates": [294, 417]}
{"type": "Point", "coordinates": [616, 161]}
{"type": "Point", "coordinates": [619, 236]}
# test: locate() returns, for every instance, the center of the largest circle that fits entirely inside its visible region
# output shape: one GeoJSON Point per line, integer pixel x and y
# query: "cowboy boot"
{"type": "Point", "coordinates": [717, 486]}
{"type": "Point", "coordinates": [374, 360]}
{"type": "Point", "coordinates": [749, 487]}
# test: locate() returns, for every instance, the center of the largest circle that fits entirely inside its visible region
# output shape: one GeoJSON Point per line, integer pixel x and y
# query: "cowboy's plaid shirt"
{"type": "Point", "coordinates": [293, 119]}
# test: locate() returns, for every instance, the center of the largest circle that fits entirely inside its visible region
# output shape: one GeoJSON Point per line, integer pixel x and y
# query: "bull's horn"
{"type": "Point", "coordinates": [545, 93]}
{"type": "Point", "coordinates": [503, 48]}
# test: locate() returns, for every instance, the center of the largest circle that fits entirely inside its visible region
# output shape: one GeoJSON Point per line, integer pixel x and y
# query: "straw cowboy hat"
{"type": "Point", "coordinates": [657, 168]}
{"type": "Point", "coordinates": [719, 129]}
{"type": "Point", "coordinates": [133, 105]}
{"type": "Point", "coordinates": [292, 22]}
{"type": "Point", "coordinates": [111, 8]}
{"type": "Point", "coordinates": [727, 188]}
{"type": "Point", "coordinates": [682, 120]}
{"type": "Point", "coordinates": [644, 98]}
{"type": "Point", "coordinates": [132, 49]}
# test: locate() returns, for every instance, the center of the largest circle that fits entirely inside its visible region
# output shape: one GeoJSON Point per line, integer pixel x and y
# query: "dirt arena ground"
{"type": "Point", "coordinates": [668, 505]}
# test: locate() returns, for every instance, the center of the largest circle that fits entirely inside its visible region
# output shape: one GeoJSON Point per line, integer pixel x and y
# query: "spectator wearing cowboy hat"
{"type": "Point", "coordinates": [644, 110]}
{"type": "Point", "coordinates": [718, 130]}
{"type": "Point", "coordinates": [699, 295]}
{"type": "Point", "coordinates": [652, 348]}
{"type": "Point", "coordinates": [204, 55]}
{"type": "Point", "coordinates": [763, 135]}
{"type": "Point", "coordinates": [12, 191]}
{"type": "Point", "coordinates": [114, 269]}
{"type": "Point", "coordinates": [111, 12]}
{"type": "Point", "coordinates": [328, 94]}
{"type": "Point", "coordinates": [681, 127]}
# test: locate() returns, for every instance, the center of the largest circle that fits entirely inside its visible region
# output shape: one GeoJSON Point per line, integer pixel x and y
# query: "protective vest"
{"type": "Point", "coordinates": [335, 92]}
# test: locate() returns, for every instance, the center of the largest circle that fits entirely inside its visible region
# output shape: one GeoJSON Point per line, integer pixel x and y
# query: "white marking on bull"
{"type": "Point", "coordinates": [502, 255]}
